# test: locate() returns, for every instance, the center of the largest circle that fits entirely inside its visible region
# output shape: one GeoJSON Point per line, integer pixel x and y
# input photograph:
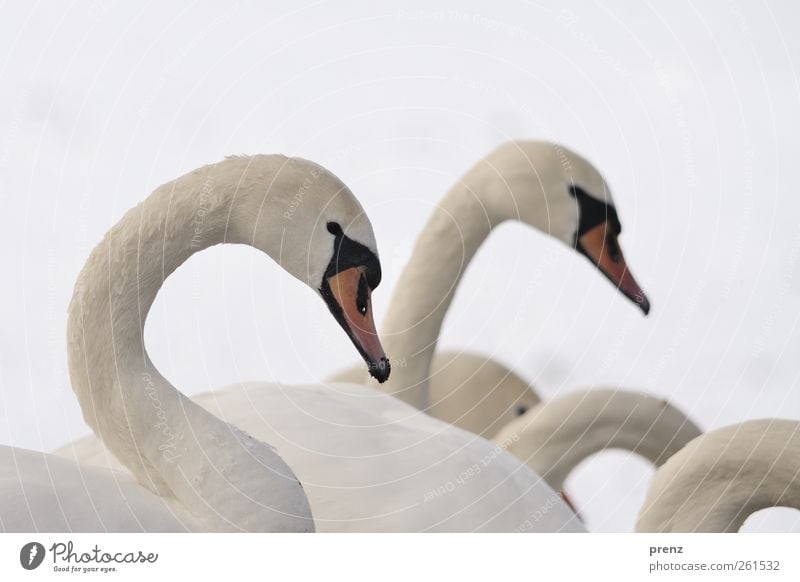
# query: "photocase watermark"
{"type": "Point", "coordinates": [736, 249]}
{"type": "Point", "coordinates": [563, 159]}
{"type": "Point", "coordinates": [540, 124]}
{"type": "Point", "coordinates": [169, 448]}
{"type": "Point", "coordinates": [394, 363]}
{"type": "Point", "coordinates": [31, 555]}
{"type": "Point", "coordinates": [302, 190]}
{"type": "Point", "coordinates": [483, 20]}
{"type": "Point", "coordinates": [15, 119]}
{"type": "Point", "coordinates": [781, 292]}
{"type": "Point", "coordinates": [678, 339]}
{"type": "Point", "coordinates": [470, 472]}
{"type": "Point", "coordinates": [681, 123]}
{"type": "Point", "coordinates": [533, 519]}
{"type": "Point", "coordinates": [569, 19]}
{"type": "Point", "coordinates": [741, 20]}
{"type": "Point", "coordinates": [97, 9]}
{"type": "Point", "coordinates": [65, 558]}
{"type": "Point", "coordinates": [203, 208]}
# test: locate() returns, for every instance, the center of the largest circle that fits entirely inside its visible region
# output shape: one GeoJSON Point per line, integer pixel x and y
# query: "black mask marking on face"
{"type": "Point", "coordinates": [348, 253]}
{"type": "Point", "coordinates": [593, 212]}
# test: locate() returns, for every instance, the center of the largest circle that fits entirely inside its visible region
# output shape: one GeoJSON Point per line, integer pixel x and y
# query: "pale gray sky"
{"type": "Point", "coordinates": [689, 109]}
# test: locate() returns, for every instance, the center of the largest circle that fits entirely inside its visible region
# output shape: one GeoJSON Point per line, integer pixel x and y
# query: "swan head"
{"type": "Point", "coordinates": [326, 241]}
{"type": "Point", "coordinates": [351, 274]}
{"type": "Point", "coordinates": [596, 237]}
{"type": "Point", "coordinates": [560, 193]}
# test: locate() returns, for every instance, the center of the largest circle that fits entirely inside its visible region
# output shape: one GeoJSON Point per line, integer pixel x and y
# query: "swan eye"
{"type": "Point", "coordinates": [521, 410]}
{"type": "Point", "coordinates": [362, 297]}
{"type": "Point", "coordinates": [613, 248]}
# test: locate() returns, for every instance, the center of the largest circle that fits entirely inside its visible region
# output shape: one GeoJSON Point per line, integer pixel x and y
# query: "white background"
{"type": "Point", "coordinates": [689, 109]}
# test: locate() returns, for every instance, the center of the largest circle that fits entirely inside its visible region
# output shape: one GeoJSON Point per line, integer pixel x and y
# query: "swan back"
{"type": "Point", "coordinates": [369, 462]}
{"type": "Point", "coordinates": [46, 493]}
{"type": "Point", "coordinates": [469, 390]}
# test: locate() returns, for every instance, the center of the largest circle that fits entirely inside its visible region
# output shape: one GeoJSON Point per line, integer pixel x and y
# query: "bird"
{"type": "Point", "coordinates": [469, 390]}
{"type": "Point", "coordinates": [189, 468]}
{"type": "Point", "coordinates": [542, 184]}
{"type": "Point", "coordinates": [41, 492]}
{"type": "Point", "coordinates": [555, 436]}
{"type": "Point", "coordinates": [362, 459]}
{"type": "Point", "coordinates": [722, 477]}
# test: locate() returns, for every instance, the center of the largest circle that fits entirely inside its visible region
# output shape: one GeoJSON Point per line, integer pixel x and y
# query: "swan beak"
{"type": "Point", "coordinates": [600, 246]}
{"type": "Point", "coordinates": [351, 304]}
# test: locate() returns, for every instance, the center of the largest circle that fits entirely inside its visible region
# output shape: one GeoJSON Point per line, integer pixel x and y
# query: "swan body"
{"type": "Point", "coordinates": [366, 460]}
{"type": "Point", "coordinates": [222, 477]}
{"type": "Point", "coordinates": [471, 391]}
{"type": "Point", "coordinates": [722, 477]}
{"type": "Point", "coordinates": [369, 462]}
{"type": "Point", "coordinates": [542, 184]}
{"type": "Point", "coordinates": [47, 493]}
{"type": "Point", "coordinates": [555, 436]}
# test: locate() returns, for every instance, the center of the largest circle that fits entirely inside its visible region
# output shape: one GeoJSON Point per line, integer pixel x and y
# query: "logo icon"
{"type": "Point", "coordinates": [31, 555]}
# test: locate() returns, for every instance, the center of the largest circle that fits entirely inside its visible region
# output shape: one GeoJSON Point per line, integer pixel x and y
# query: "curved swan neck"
{"type": "Point", "coordinates": [556, 436]}
{"type": "Point", "coordinates": [171, 444]}
{"type": "Point", "coordinates": [525, 181]}
{"type": "Point", "coordinates": [718, 480]}
{"type": "Point", "coordinates": [458, 226]}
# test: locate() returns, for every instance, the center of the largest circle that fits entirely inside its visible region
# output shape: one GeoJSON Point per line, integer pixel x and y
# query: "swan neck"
{"type": "Point", "coordinates": [558, 435]}
{"type": "Point", "coordinates": [426, 288]}
{"type": "Point", "coordinates": [719, 500]}
{"type": "Point", "coordinates": [722, 477]}
{"type": "Point", "coordinates": [172, 445]}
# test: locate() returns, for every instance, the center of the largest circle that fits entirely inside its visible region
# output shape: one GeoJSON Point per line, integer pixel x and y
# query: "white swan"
{"type": "Point", "coordinates": [722, 477]}
{"type": "Point", "coordinates": [40, 492]}
{"type": "Point", "coordinates": [469, 390]}
{"type": "Point", "coordinates": [366, 460]}
{"type": "Point", "coordinates": [555, 436]}
{"type": "Point", "coordinates": [205, 473]}
{"type": "Point", "coordinates": [542, 184]}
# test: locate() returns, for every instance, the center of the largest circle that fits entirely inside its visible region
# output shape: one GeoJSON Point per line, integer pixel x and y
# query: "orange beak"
{"type": "Point", "coordinates": [600, 246]}
{"type": "Point", "coordinates": [351, 304]}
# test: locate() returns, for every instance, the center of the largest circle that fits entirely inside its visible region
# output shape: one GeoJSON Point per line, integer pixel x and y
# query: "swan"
{"type": "Point", "coordinates": [556, 436]}
{"type": "Point", "coordinates": [42, 492]}
{"type": "Point", "coordinates": [192, 470]}
{"type": "Point", "coordinates": [544, 185]}
{"type": "Point", "coordinates": [366, 461]}
{"type": "Point", "coordinates": [722, 477]}
{"type": "Point", "coordinates": [470, 390]}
